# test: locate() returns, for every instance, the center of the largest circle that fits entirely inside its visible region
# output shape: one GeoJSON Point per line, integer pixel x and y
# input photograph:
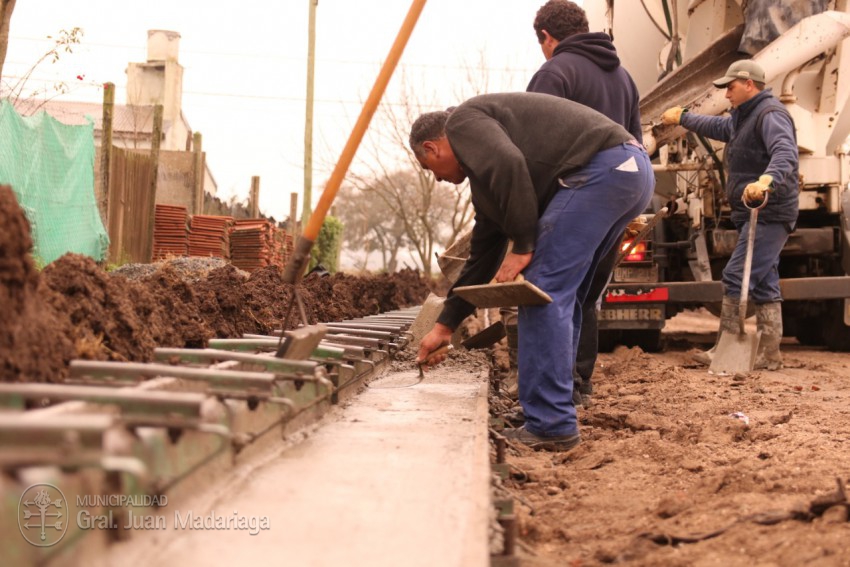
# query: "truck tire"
{"type": "Point", "coordinates": [809, 332]}
{"type": "Point", "coordinates": [649, 340]}
{"type": "Point", "coordinates": [608, 339]}
{"type": "Point", "coordinates": [835, 333]}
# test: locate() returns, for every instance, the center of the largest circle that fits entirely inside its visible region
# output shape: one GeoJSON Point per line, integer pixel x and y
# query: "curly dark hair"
{"type": "Point", "coordinates": [428, 127]}
{"type": "Point", "coordinates": [561, 18]}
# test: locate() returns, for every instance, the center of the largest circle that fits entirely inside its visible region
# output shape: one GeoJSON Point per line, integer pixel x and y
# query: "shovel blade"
{"type": "Point", "coordinates": [735, 354]}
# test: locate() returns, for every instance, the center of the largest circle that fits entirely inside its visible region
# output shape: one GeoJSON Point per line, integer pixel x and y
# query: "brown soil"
{"type": "Point", "coordinates": [681, 467]}
{"type": "Point", "coordinates": [667, 472]}
{"type": "Point", "coordinates": [74, 309]}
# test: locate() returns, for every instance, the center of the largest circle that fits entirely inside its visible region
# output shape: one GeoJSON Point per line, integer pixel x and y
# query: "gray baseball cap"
{"type": "Point", "coordinates": [743, 69]}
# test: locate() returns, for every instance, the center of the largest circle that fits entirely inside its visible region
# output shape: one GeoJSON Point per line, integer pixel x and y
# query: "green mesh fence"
{"type": "Point", "coordinates": [50, 167]}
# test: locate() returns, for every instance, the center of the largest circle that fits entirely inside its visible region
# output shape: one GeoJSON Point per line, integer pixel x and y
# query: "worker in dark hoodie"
{"type": "Point", "coordinates": [583, 67]}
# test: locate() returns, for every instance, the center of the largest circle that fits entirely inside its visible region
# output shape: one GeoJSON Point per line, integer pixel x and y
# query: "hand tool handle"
{"type": "Point", "coordinates": [431, 355]}
{"type": "Point", "coordinates": [518, 279]}
{"type": "Point", "coordinates": [748, 265]}
{"type": "Point", "coordinates": [641, 235]}
{"type": "Point", "coordinates": [294, 269]}
{"type": "Point", "coordinates": [748, 260]}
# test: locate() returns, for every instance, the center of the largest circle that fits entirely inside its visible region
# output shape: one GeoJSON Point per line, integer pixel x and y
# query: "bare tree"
{"type": "Point", "coordinates": [370, 226]}
{"type": "Point", "coordinates": [387, 176]}
{"type": "Point", "coordinates": [64, 42]}
{"type": "Point", "coordinates": [431, 214]}
{"type": "Point", "coordinates": [426, 212]}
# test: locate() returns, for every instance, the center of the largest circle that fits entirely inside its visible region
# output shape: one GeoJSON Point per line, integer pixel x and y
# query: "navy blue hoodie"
{"type": "Point", "coordinates": [585, 68]}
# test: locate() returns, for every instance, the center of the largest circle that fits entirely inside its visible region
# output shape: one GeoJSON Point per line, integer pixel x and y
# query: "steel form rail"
{"type": "Point", "coordinates": [135, 430]}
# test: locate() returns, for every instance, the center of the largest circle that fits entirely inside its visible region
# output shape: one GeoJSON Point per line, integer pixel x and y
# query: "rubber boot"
{"type": "Point", "coordinates": [769, 322]}
{"type": "Point", "coordinates": [729, 323]}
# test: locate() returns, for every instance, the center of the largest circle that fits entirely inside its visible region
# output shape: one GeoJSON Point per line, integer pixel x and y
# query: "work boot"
{"type": "Point", "coordinates": [769, 322]}
{"type": "Point", "coordinates": [515, 416]}
{"type": "Point", "coordinates": [577, 385]}
{"type": "Point", "coordinates": [729, 323]}
{"type": "Point", "coordinates": [537, 442]}
{"type": "Point", "coordinates": [578, 399]}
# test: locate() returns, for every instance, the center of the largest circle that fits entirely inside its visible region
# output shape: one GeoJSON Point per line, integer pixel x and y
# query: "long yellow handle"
{"type": "Point", "coordinates": [311, 231]}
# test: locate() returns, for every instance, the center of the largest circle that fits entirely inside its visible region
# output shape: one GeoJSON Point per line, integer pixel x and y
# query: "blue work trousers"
{"type": "Point", "coordinates": [764, 273]}
{"type": "Point", "coordinates": [584, 220]}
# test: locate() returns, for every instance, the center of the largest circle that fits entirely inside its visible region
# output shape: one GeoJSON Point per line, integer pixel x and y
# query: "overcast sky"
{"type": "Point", "coordinates": [245, 68]}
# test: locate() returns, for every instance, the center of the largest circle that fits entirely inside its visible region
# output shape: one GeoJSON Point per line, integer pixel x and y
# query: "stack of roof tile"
{"type": "Point", "coordinates": [210, 236]}
{"type": "Point", "coordinates": [170, 231]}
{"type": "Point", "coordinates": [252, 244]}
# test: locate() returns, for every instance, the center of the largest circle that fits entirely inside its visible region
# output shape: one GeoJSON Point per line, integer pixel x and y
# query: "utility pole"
{"type": "Point", "coordinates": [156, 138]}
{"type": "Point", "coordinates": [200, 171]}
{"type": "Point", "coordinates": [254, 201]}
{"type": "Point", "coordinates": [112, 206]}
{"type": "Point", "coordinates": [307, 207]}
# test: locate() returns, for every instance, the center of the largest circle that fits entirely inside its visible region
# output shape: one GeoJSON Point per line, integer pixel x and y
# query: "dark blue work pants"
{"type": "Point", "coordinates": [584, 220]}
{"type": "Point", "coordinates": [764, 273]}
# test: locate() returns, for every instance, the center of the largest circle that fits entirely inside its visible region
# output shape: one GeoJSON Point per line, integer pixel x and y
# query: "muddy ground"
{"type": "Point", "coordinates": [74, 309]}
{"type": "Point", "coordinates": [676, 467]}
{"type": "Point", "coordinates": [681, 467]}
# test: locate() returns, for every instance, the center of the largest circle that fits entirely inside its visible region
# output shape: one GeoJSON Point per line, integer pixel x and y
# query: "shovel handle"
{"type": "Point", "coordinates": [641, 235]}
{"type": "Point", "coordinates": [748, 265]}
{"type": "Point", "coordinates": [748, 259]}
{"type": "Point", "coordinates": [759, 206]}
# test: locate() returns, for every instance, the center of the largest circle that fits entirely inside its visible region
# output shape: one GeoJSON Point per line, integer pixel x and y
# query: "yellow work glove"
{"type": "Point", "coordinates": [754, 192]}
{"type": "Point", "coordinates": [672, 116]}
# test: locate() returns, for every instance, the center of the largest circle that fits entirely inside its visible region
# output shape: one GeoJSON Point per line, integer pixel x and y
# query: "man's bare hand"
{"type": "Point", "coordinates": [438, 336]}
{"type": "Point", "coordinates": [512, 266]}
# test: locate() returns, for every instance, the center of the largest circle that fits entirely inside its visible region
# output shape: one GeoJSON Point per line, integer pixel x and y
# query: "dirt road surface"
{"type": "Point", "coordinates": [676, 467]}
{"type": "Point", "coordinates": [680, 467]}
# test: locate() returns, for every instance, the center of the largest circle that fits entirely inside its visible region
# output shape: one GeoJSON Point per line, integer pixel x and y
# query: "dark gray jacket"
{"type": "Point", "coordinates": [514, 147]}
{"type": "Point", "coordinates": [760, 138]}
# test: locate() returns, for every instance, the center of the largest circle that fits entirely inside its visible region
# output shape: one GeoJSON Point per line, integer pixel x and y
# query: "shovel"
{"type": "Point", "coordinates": [736, 353]}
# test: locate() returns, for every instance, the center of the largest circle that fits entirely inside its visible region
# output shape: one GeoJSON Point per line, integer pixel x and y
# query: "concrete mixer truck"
{"type": "Point", "coordinates": [674, 48]}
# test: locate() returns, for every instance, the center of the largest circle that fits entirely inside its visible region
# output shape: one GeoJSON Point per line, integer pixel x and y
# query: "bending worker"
{"type": "Point", "coordinates": [761, 157]}
{"type": "Point", "coordinates": [561, 181]}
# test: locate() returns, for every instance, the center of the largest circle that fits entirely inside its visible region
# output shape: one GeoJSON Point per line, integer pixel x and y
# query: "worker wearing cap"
{"type": "Point", "coordinates": [561, 181]}
{"type": "Point", "coordinates": [762, 161]}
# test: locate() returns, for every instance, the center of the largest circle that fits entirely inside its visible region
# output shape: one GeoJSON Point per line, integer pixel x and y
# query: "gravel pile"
{"type": "Point", "coordinates": [190, 269]}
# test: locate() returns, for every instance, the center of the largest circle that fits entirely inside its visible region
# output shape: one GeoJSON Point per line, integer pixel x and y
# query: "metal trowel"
{"type": "Point", "coordinates": [442, 350]}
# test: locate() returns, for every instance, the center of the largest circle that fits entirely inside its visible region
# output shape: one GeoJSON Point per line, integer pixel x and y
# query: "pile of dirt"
{"type": "Point", "coordinates": [75, 309]}
{"type": "Point", "coordinates": [35, 341]}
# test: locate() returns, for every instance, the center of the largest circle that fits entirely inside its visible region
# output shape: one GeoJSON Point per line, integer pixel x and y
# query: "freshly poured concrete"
{"type": "Point", "coordinates": [399, 477]}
